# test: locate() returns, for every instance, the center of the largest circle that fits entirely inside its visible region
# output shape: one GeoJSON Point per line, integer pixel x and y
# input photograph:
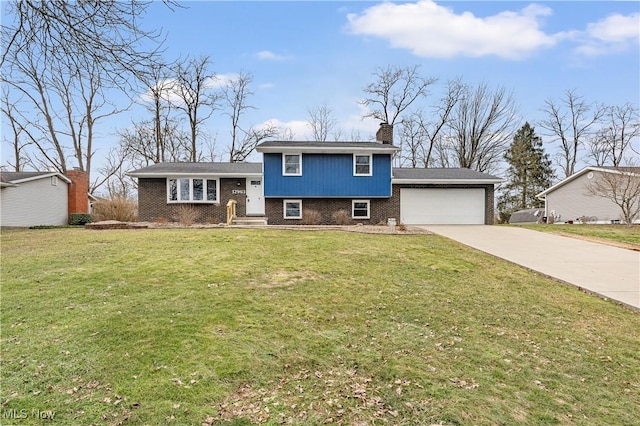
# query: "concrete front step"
{"type": "Point", "coordinates": [250, 221]}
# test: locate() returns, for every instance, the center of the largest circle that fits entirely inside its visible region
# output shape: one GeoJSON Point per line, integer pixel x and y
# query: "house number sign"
{"type": "Point", "coordinates": [238, 191]}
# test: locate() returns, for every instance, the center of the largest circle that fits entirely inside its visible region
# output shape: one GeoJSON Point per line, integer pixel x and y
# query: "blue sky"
{"type": "Point", "coordinates": [303, 54]}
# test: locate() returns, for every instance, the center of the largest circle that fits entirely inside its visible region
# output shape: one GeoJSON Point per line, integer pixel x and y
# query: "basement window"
{"type": "Point", "coordinates": [292, 209]}
{"type": "Point", "coordinates": [192, 190]}
{"type": "Point", "coordinates": [360, 209]}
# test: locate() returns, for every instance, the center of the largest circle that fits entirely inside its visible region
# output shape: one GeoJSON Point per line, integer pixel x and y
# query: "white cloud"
{"type": "Point", "coordinates": [299, 129]}
{"type": "Point", "coordinates": [430, 30]}
{"type": "Point", "coordinates": [267, 55]}
{"type": "Point", "coordinates": [612, 34]}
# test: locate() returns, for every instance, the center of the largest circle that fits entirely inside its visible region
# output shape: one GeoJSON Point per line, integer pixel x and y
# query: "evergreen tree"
{"type": "Point", "coordinates": [529, 173]}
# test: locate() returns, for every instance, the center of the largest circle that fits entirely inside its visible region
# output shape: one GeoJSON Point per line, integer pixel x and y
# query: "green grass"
{"type": "Point", "coordinates": [612, 233]}
{"type": "Point", "coordinates": [232, 326]}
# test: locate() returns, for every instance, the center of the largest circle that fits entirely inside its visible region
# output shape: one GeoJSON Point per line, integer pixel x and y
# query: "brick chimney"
{"type": "Point", "coordinates": [78, 191]}
{"type": "Point", "coordinates": [385, 134]}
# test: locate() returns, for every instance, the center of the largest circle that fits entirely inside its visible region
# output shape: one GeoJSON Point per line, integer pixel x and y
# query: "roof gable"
{"type": "Point", "coordinates": [603, 169]}
{"type": "Point", "coordinates": [14, 178]}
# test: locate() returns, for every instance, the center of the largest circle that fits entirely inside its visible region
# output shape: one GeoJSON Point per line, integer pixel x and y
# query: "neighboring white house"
{"type": "Point", "coordinates": [571, 200]}
{"type": "Point", "coordinates": [33, 198]}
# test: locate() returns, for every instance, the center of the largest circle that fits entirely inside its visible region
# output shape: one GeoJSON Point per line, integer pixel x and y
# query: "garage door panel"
{"type": "Point", "coordinates": [442, 206]}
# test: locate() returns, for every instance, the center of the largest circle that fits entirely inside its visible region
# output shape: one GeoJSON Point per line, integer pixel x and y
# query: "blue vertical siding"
{"type": "Point", "coordinates": [327, 175]}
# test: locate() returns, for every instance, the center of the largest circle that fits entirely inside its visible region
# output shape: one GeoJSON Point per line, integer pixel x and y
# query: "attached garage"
{"type": "Point", "coordinates": [461, 206]}
{"type": "Point", "coordinates": [444, 196]}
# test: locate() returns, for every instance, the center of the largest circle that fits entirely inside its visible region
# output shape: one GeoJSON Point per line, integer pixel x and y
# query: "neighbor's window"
{"type": "Point", "coordinates": [293, 209]}
{"type": "Point", "coordinates": [192, 190]}
{"type": "Point", "coordinates": [292, 164]}
{"type": "Point", "coordinates": [360, 209]}
{"type": "Point", "coordinates": [362, 165]}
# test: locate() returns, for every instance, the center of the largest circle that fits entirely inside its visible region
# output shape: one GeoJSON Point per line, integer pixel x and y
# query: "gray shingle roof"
{"type": "Point", "coordinates": [321, 144]}
{"type": "Point", "coordinates": [441, 174]}
{"type": "Point", "coordinates": [238, 169]}
{"type": "Point", "coordinates": [17, 176]}
{"type": "Point", "coordinates": [328, 147]}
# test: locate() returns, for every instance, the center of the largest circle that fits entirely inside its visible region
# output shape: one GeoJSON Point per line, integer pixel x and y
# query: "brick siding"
{"type": "Point", "coordinates": [380, 210]}
{"type": "Point", "coordinates": [153, 206]}
{"type": "Point", "coordinates": [78, 199]}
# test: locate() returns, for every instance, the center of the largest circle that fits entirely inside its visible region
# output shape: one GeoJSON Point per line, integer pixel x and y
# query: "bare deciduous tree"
{"type": "Point", "coordinates": [18, 133]}
{"type": "Point", "coordinates": [480, 127]}
{"type": "Point", "coordinates": [622, 187]}
{"type": "Point", "coordinates": [158, 83]}
{"type": "Point", "coordinates": [105, 33]}
{"type": "Point", "coordinates": [251, 138]}
{"type": "Point", "coordinates": [421, 134]}
{"type": "Point", "coordinates": [620, 128]}
{"type": "Point", "coordinates": [570, 121]}
{"type": "Point", "coordinates": [235, 95]}
{"type": "Point", "coordinates": [394, 90]}
{"type": "Point", "coordinates": [65, 100]}
{"type": "Point", "coordinates": [194, 88]}
{"type": "Point", "coordinates": [322, 123]}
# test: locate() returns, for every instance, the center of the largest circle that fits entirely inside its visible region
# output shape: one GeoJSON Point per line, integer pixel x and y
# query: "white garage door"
{"type": "Point", "coordinates": [460, 206]}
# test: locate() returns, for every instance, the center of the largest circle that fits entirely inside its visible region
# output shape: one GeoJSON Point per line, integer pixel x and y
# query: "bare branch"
{"type": "Point", "coordinates": [394, 90]}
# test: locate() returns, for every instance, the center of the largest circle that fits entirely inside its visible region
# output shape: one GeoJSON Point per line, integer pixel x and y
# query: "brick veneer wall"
{"type": "Point", "coordinates": [78, 199]}
{"type": "Point", "coordinates": [380, 209]}
{"type": "Point", "coordinates": [153, 206]}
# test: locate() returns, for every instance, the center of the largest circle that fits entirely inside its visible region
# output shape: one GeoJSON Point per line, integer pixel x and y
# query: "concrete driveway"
{"type": "Point", "coordinates": [609, 271]}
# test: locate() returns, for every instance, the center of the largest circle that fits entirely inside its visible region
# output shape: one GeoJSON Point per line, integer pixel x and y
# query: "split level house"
{"type": "Point", "coordinates": [333, 180]}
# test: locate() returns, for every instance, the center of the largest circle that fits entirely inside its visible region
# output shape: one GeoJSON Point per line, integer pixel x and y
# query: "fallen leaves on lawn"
{"type": "Point", "coordinates": [337, 396]}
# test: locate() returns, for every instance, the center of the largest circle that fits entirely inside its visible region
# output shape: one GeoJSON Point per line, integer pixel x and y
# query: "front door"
{"type": "Point", "coordinates": [255, 197]}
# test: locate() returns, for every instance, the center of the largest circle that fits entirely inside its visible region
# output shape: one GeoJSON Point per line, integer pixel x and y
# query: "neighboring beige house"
{"type": "Point", "coordinates": [41, 198]}
{"type": "Point", "coordinates": [570, 201]}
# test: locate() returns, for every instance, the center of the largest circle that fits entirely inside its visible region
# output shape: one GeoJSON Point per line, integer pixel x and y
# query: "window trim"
{"type": "Point", "coordinates": [284, 163]}
{"type": "Point", "coordinates": [355, 165]}
{"type": "Point", "coordinates": [353, 209]}
{"type": "Point", "coordinates": [205, 188]}
{"type": "Point", "coordinates": [284, 209]}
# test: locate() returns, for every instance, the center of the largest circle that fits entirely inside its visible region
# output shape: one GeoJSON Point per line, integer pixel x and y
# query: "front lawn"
{"type": "Point", "coordinates": [243, 326]}
{"type": "Point", "coordinates": [622, 234]}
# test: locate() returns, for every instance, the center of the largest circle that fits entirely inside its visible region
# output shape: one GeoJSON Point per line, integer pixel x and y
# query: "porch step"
{"type": "Point", "coordinates": [250, 221]}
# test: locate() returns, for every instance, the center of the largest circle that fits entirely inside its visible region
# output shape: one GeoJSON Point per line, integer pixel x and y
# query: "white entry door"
{"type": "Point", "coordinates": [255, 197]}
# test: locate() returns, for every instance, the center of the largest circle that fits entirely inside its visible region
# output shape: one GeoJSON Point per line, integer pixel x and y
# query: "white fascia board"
{"type": "Point", "coordinates": [328, 150]}
{"type": "Point", "coordinates": [48, 175]}
{"type": "Point", "coordinates": [576, 175]}
{"type": "Point", "coordinates": [446, 181]}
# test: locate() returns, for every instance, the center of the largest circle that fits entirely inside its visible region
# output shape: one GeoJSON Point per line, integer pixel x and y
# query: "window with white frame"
{"type": "Point", "coordinates": [192, 190]}
{"type": "Point", "coordinates": [360, 209]}
{"type": "Point", "coordinates": [292, 164]}
{"type": "Point", "coordinates": [361, 165]}
{"type": "Point", "coordinates": [292, 209]}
